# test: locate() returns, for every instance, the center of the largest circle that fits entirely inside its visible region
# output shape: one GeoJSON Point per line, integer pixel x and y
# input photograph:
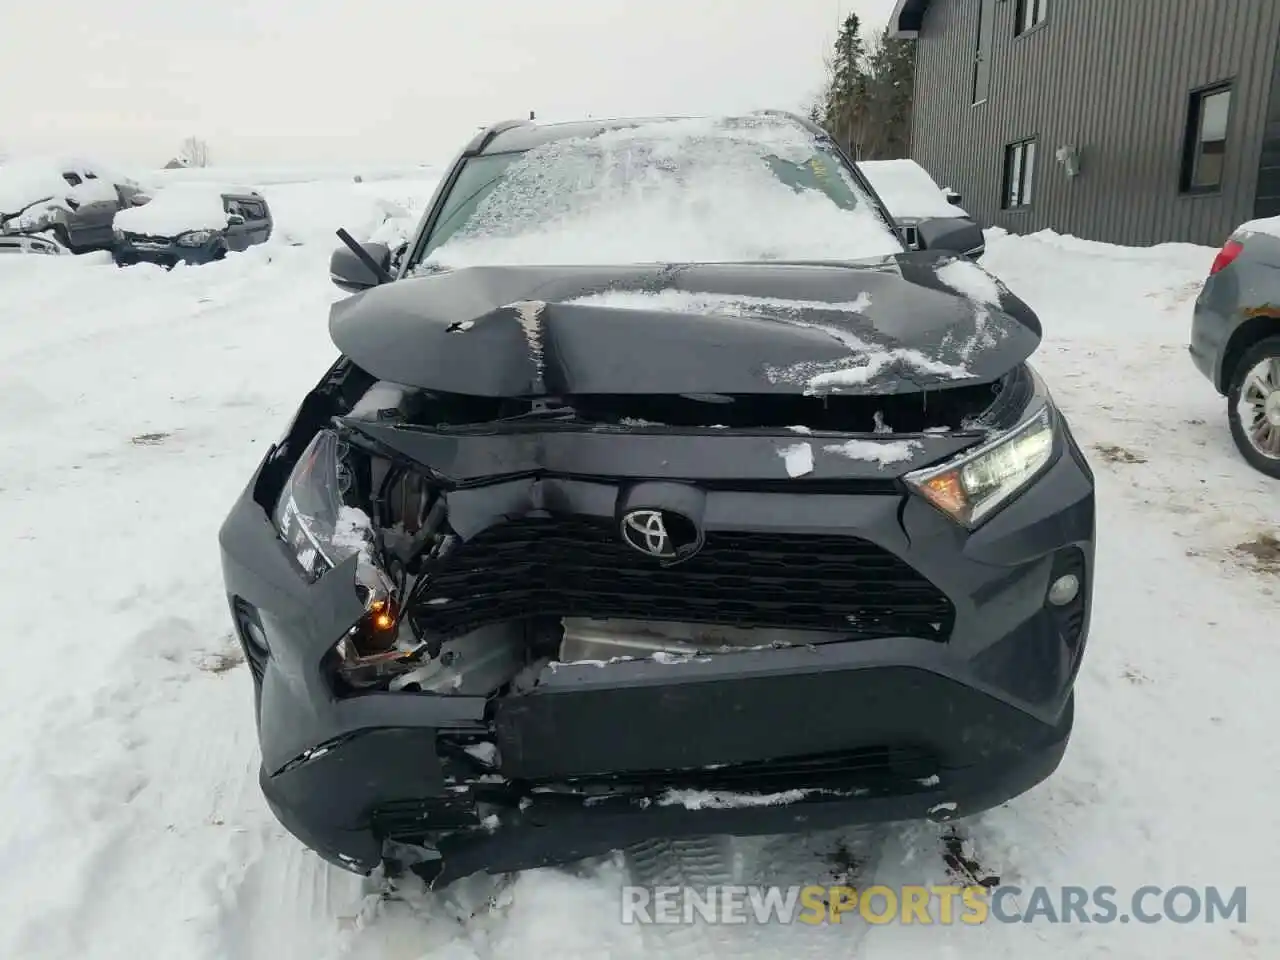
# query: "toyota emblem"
{"type": "Point", "coordinates": [660, 534]}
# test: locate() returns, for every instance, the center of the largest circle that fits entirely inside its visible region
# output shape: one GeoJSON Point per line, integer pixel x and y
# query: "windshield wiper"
{"type": "Point", "coordinates": [541, 413]}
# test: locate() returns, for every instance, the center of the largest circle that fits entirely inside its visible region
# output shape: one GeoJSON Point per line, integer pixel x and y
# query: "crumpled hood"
{"type": "Point", "coordinates": [910, 322]}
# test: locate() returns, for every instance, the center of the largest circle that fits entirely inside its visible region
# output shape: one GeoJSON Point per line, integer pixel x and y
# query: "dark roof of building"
{"type": "Point", "coordinates": [907, 17]}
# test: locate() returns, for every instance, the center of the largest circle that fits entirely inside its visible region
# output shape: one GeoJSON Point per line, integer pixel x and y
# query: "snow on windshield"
{"type": "Point", "coordinates": [175, 210]}
{"type": "Point", "coordinates": [673, 191]}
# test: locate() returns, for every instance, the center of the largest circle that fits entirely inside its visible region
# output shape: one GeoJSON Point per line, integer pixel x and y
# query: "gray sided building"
{"type": "Point", "coordinates": [1126, 121]}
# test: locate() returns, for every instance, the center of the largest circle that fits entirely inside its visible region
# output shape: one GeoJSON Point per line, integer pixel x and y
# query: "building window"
{"type": "Point", "coordinates": [981, 50]}
{"type": "Point", "coordinates": [1204, 149]}
{"type": "Point", "coordinates": [1030, 14]}
{"type": "Point", "coordinates": [1019, 168]}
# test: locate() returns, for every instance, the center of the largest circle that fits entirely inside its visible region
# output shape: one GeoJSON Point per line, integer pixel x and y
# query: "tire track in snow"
{"type": "Point", "coordinates": [698, 862]}
{"type": "Point", "coordinates": [781, 861]}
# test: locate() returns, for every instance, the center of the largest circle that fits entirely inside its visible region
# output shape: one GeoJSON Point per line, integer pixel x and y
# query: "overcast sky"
{"type": "Point", "coordinates": [303, 81]}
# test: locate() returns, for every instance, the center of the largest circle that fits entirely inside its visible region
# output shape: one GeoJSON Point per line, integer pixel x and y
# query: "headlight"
{"type": "Point", "coordinates": [323, 530]}
{"type": "Point", "coordinates": [976, 484]}
{"type": "Point", "coordinates": [314, 518]}
{"type": "Point", "coordinates": [33, 221]}
{"type": "Point", "coordinates": [196, 238]}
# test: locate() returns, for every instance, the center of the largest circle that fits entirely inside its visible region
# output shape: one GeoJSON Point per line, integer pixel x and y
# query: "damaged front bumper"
{"type": "Point", "coordinates": [383, 794]}
{"type": "Point", "coordinates": [962, 708]}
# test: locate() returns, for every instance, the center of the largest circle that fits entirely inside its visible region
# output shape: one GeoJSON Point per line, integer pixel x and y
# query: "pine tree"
{"type": "Point", "coordinates": [867, 105]}
{"type": "Point", "coordinates": [891, 69]}
{"type": "Point", "coordinates": [847, 88]}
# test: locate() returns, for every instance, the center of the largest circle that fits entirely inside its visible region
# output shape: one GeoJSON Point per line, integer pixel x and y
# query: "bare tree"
{"type": "Point", "coordinates": [194, 152]}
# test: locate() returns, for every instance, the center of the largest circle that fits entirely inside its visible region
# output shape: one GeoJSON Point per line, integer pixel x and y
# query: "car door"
{"type": "Point", "coordinates": [93, 214]}
{"type": "Point", "coordinates": [257, 220]}
{"type": "Point", "coordinates": [237, 232]}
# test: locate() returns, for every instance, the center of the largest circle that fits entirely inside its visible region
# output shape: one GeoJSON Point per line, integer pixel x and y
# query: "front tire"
{"type": "Point", "coordinates": [1253, 406]}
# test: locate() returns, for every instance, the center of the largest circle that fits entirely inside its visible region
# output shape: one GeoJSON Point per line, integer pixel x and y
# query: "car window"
{"type": "Point", "coordinates": [252, 210]}
{"type": "Point", "coordinates": [479, 175]}
{"type": "Point", "coordinates": [73, 179]}
{"type": "Point", "coordinates": [657, 193]}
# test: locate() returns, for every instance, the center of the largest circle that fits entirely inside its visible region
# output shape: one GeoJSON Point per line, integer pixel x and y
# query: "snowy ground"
{"type": "Point", "coordinates": [136, 402]}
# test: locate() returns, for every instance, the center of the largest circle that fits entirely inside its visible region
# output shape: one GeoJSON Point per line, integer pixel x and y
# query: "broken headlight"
{"type": "Point", "coordinates": [974, 485]}
{"type": "Point", "coordinates": [317, 518]}
{"type": "Point", "coordinates": [313, 514]}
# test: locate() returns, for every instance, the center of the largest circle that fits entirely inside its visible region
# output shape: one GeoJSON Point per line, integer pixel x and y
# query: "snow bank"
{"type": "Point", "coordinates": [907, 189]}
{"type": "Point", "coordinates": [176, 210]}
{"type": "Point", "coordinates": [327, 177]}
{"type": "Point", "coordinates": [688, 190]}
{"type": "Point", "coordinates": [310, 213]}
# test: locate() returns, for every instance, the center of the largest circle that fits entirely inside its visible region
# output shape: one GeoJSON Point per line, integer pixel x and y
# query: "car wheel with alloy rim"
{"type": "Point", "coordinates": [1253, 406]}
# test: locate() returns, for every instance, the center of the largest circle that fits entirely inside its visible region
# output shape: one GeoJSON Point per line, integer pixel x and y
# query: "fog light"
{"type": "Point", "coordinates": [1063, 590]}
{"type": "Point", "coordinates": [256, 636]}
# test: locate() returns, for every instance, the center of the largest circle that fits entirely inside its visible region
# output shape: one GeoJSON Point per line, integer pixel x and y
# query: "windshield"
{"type": "Point", "coordinates": [660, 192]}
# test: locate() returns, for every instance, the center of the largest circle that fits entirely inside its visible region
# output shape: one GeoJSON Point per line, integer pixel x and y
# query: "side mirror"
{"type": "Point", "coordinates": [235, 220]}
{"type": "Point", "coordinates": [953, 198]}
{"type": "Point", "coordinates": [351, 273]}
{"type": "Point", "coordinates": [957, 235]}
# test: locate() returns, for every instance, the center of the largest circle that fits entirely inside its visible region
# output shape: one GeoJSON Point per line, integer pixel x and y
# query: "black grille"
{"type": "Point", "coordinates": [868, 764]}
{"type": "Point", "coordinates": [408, 820]}
{"type": "Point", "coordinates": [581, 568]}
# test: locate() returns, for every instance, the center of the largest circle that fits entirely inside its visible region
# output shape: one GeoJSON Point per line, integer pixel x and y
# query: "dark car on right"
{"type": "Point", "coordinates": [1235, 339]}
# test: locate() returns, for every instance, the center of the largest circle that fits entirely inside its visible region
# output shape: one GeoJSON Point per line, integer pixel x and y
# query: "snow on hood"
{"type": "Point", "coordinates": [701, 190]}
{"type": "Point", "coordinates": [174, 210]}
{"type": "Point", "coordinates": [890, 326]}
{"type": "Point", "coordinates": [33, 179]}
{"type": "Point", "coordinates": [907, 189]}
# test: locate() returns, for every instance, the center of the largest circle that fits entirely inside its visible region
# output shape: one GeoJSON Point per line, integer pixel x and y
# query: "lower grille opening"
{"type": "Point", "coordinates": [579, 567]}
{"type": "Point", "coordinates": [870, 765]}
{"type": "Point", "coordinates": [410, 820]}
{"type": "Point", "coordinates": [873, 769]}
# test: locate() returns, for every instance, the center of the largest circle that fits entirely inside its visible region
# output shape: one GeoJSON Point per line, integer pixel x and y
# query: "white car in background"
{"type": "Point", "coordinates": [70, 201]}
{"type": "Point", "coordinates": [920, 205]}
{"type": "Point", "coordinates": [23, 244]}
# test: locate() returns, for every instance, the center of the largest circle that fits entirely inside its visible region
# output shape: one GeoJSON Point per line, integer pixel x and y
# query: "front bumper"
{"type": "Point", "coordinates": [162, 253]}
{"type": "Point", "coordinates": [901, 727]}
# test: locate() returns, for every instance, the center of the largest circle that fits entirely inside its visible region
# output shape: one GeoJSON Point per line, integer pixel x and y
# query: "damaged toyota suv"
{"type": "Point", "coordinates": [658, 490]}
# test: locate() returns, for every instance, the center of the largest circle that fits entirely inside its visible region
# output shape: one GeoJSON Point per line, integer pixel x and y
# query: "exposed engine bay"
{"type": "Point", "coordinates": [484, 614]}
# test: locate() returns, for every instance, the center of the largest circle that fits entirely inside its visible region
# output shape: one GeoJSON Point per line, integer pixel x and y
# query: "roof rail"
{"type": "Point", "coordinates": [799, 118]}
{"type": "Point", "coordinates": [483, 138]}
